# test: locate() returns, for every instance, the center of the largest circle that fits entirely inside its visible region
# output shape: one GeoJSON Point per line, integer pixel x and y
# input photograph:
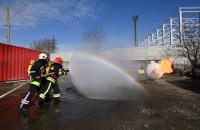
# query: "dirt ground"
{"type": "Point", "coordinates": [172, 103]}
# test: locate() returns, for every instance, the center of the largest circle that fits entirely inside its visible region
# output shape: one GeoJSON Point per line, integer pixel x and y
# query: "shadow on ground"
{"type": "Point", "coordinates": [166, 107]}
{"type": "Point", "coordinates": [189, 84]}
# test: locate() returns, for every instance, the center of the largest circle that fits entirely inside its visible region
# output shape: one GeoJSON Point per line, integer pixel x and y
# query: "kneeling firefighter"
{"type": "Point", "coordinates": [37, 72]}
{"type": "Point", "coordinates": [51, 81]}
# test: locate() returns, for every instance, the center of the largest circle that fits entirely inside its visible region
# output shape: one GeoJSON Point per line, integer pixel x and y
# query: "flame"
{"type": "Point", "coordinates": [166, 65]}
{"type": "Point", "coordinates": [156, 70]}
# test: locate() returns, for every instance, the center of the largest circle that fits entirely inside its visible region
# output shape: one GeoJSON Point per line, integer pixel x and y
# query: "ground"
{"type": "Point", "coordinates": [172, 103]}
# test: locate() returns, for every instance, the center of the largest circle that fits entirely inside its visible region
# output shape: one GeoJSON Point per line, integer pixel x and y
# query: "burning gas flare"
{"type": "Point", "coordinates": [166, 65]}
{"type": "Point", "coordinates": [156, 70]}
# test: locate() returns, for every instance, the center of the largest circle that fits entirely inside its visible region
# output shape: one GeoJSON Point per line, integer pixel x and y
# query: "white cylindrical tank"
{"type": "Point", "coordinates": [154, 71]}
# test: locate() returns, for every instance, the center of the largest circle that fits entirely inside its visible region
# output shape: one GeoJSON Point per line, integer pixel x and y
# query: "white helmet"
{"type": "Point", "coordinates": [42, 56]}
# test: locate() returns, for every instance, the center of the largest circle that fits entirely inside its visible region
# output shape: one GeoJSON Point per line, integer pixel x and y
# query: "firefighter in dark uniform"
{"type": "Point", "coordinates": [37, 72]}
{"type": "Point", "coordinates": [51, 81]}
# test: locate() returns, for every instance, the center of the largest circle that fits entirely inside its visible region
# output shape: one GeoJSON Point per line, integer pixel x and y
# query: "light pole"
{"type": "Point", "coordinates": [8, 24]}
{"type": "Point", "coordinates": [135, 19]}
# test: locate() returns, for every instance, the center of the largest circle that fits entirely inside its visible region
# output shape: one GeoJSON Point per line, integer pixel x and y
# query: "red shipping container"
{"type": "Point", "coordinates": [14, 62]}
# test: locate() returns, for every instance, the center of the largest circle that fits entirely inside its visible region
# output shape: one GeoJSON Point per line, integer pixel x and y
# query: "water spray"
{"type": "Point", "coordinates": [96, 77]}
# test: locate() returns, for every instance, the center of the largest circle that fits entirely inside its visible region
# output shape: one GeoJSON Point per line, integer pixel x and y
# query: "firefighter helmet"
{"type": "Point", "coordinates": [42, 56]}
{"type": "Point", "coordinates": [58, 60]}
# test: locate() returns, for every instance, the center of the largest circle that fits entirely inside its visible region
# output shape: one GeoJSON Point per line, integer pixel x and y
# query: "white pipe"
{"type": "Point", "coordinates": [14, 81]}
{"type": "Point", "coordinates": [5, 94]}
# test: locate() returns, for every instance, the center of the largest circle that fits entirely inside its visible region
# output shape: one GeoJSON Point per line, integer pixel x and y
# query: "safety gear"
{"type": "Point", "coordinates": [58, 60]}
{"type": "Point", "coordinates": [48, 97]}
{"type": "Point", "coordinates": [29, 68]}
{"type": "Point", "coordinates": [36, 83]}
{"type": "Point", "coordinates": [36, 70]}
{"type": "Point", "coordinates": [30, 65]}
{"type": "Point", "coordinates": [40, 101]}
{"type": "Point", "coordinates": [51, 81]}
{"type": "Point", "coordinates": [56, 95]}
{"type": "Point", "coordinates": [42, 56]}
{"type": "Point", "coordinates": [23, 108]}
{"type": "Point", "coordinates": [48, 67]}
{"type": "Point", "coordinates": [56, 108]}
{"type": "Point", "coordinates": [48, 86]}
{"type": "Point", "coordinates": [66, 71]}
{"type": "Point", "coordinates": [24, 103]}
{"type": "Point", "coordinates": [57, 69]}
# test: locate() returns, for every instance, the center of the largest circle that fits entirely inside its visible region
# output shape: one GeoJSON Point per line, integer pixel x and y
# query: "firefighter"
{"type": "Point", "coordinates": [51, 81]}
{"type": "Point", "coordinates": [37, 72]}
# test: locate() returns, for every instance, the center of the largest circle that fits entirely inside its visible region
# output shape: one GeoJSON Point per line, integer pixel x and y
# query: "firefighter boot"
{"type": "Point", "coordinates": [23, 108]}
{"type": "Point", "coordinates": [48, 98]}
{"type": "Point", "coordinates": [41, 101]}
{"type": "Point", "coordinates": [56, 108]}
{"type": "Point", "coordinates": [56, 99]}
{"type": "Point", "coordinates": [24, 104]}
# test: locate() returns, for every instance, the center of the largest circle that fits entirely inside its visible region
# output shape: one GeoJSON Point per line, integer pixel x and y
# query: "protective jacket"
{"type": "Point", "coordinates": [57, 69]}
{"type": "Point", "coordinates": [38, 69]}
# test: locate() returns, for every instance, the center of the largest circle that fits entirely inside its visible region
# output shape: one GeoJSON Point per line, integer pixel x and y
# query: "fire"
{"type": "Point", "coordinates": [156, 70]}
{"type": "Point", "coordinates": [166, 65]}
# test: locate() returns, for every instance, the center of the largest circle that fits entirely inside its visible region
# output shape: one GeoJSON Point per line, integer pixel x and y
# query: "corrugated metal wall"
{"type": "Point", "coordinates": [14, 62]}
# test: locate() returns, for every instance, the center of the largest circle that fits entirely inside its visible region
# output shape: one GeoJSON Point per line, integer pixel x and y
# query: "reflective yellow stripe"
{"type": "Point", "coordinates": [42, 70]}
{"type": "Point", "coordinates": [56, 95]}
{"type": "Point", "coordinates": [60, 73]}
{"type": "Point", "coordinates": [42, 96]}
{"type": "Point", "coordinates": [47, 89]}
{"type": "Point", "coordinates": [36, 83]}
{"type": "Point", "coordinates": [51, 79]}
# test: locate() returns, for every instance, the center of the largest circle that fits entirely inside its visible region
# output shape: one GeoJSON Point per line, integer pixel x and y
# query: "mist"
{"type": "Point", "coordinates": [101, 76]}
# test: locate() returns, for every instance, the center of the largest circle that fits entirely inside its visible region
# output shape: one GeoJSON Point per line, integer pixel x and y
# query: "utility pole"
{"type": "Point", "coordinates": [199, 27]}
{"type": "Point", "coordinates": [135, 19]}
{"type": "Point", "coordinates": [53, 43]}
{"type": "Point", "coordinates": [8, 24]}
{"type": "Point", "coordinates": [181, 25]}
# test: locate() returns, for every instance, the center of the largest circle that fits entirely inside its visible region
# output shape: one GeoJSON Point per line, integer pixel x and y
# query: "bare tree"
{"type": "Point", "coordinates": [189, 49]}
{"type": "Point", "coordinates": [94, 37]}
{"type": "Point", "coordinates": [48, 45]}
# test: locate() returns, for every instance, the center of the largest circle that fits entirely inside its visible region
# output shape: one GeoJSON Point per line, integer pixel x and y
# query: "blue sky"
{"type": "Point", "coordinates": [67, 19]}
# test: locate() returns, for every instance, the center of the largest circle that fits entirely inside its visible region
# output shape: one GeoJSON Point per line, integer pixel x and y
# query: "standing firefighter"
{"type": "Point", "coordinates": [51, 81]}
{"type": "Point", "coordinates": [37, 71]}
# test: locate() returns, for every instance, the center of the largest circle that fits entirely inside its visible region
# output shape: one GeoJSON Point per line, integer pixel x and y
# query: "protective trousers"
{"type": "Point", "coordinates": [50, 83]}
{"type": "Point", "coordinates": [34, 87]}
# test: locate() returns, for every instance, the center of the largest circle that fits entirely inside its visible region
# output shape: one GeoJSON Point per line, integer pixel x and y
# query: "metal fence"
{"type": "Point", "coordinates": [170, 33]}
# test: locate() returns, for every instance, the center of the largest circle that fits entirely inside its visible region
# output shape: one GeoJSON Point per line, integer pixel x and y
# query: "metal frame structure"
{"type": "Point", "coordinates": [171, 32]}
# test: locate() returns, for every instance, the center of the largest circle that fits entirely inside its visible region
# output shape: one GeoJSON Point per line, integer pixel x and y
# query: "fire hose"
{"type": "Point", "coordinates": [27, 81]}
